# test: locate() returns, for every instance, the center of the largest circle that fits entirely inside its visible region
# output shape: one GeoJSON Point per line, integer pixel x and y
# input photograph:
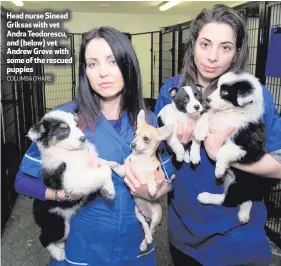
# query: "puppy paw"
{"type": "Point", "coordinates": [195, 158]}
{"type": "Point", "coordinates": [200, 133]}
{"type": "Point", "coordinates": [151, 189]}
{"type": "Point", "coordinates": [56, 252]}
{"type": "Point", "coordinates": [204, 197]}
{"type": "Point", "coordinates": [143, 246]}
{"type": "Point", "coordinates": [180, 157]}
{"type": "Point", "coordinates": [186, 157]}
{"type": "Point", "coordinates": [61, 255]}
{"type": "Point", "coordinates": [148, 239]}
{"type": "Point", "coordinates": [209, 198]}
{"type": "Point", "coordinates": [220, 170]}
{"type": "Point", "coordinates": [108, 191]}
{"type": "Point", "coordinates": [243, 216]}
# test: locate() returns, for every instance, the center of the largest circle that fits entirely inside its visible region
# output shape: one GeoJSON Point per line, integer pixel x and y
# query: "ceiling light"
{"type": "Point", "coordinates": [17, 2]}
{"type": "Point", "coordinates": [170, 4]}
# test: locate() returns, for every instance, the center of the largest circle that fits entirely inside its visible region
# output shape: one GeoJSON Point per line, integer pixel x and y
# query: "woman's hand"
{"type": "Point", "coordinates": [184, 134]}
{"type": "Point", "coordinates": [138, 183]}
{"type": "Point", "coordinates": [215, 140]}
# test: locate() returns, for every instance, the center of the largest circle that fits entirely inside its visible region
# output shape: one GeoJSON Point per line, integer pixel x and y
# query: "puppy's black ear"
{"type": "Point", "coordinates": [173, 91]}
{"type": "Point", "coordinates": [36, 131]}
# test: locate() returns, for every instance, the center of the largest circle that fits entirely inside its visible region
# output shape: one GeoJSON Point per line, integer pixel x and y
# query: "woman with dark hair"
{"type": "Point", "coordinates": [108, 102]}
{"type": "Point", "coordinates": [206, 234]}
{"type": "Point", "coordinates": [128, 92]}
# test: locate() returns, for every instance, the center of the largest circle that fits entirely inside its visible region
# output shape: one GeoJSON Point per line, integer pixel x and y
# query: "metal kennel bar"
{"type": "Point", "coordinates": [64, 87]}
{"type": "Point", "coordinates": [22, 104]}
{"type": "Point", "coordinates": [273, 200]}
{"type": "Point", "coordinates": [274, 20]}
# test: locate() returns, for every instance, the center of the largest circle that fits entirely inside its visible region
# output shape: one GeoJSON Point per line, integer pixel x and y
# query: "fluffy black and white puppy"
{"type": "Point", "coordinates": [237, 102]}
{"type": "Point", "coordinates": [65, 154]}
{"type": "Point", "coordinates": [186, 102]}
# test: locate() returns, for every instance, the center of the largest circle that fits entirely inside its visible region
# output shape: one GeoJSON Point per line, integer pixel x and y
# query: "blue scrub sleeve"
{"type": "Point", "coordinates": [272, 122]}
{"type": "Point", "coordinates": [28, 179]}
{"type": "Point", "coordinates": [163, 96]}
{"type": "Point", "coordinates": [162, 100]}
{"type": "Point", "coordinates": [29, 186]}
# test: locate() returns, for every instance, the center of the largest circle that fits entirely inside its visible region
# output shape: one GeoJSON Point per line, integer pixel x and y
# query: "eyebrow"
{"type": "Point", "coordinates": [92, 58]}
{"type": "Point", "coordinates": [222, 42]}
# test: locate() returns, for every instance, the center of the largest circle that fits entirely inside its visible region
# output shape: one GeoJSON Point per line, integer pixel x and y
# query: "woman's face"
{"type": "Point", "coordinates": [102, 70]}
{"type": "Point", "coordinates": [214, 50]}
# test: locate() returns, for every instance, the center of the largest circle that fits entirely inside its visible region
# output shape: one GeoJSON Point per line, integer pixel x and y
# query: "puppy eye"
{"type": "Point", "coordinates": [145, 138]}
{"type": "Point", "coordinates": [63, 129]}
{"type": "Point", "coordinates": [224, 92]}
{"type": "Point", "coordinates": [195, 94]}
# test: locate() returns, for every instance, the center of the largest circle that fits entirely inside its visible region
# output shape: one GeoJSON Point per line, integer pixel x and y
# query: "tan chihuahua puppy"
{"type": "Point", "coordinates": [144, 146]}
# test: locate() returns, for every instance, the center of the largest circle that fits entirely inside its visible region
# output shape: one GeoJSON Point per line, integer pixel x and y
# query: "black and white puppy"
{"type": "Point", "coordinates": [237, 102]}
{"type": "Point", "coordinates": [65, 154]}
{"type": "Point", "coordinates": [186, 102]}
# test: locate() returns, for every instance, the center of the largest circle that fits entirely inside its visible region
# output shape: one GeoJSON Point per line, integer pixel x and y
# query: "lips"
{"type": "Point", "coordinates": [105, 84]}
{"type": "Point", "coordinates": [210, 69]}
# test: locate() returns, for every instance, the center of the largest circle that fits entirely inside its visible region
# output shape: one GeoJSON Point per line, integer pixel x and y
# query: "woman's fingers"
{"type": "Point", "coordinates": [129, 184]}
{"type": "Point", "coordinates": [184, 134]}
{"type": "Point", "coordinates": [159, 176]}
{"type": "Point", "coordinates": [191, 123]}
{"type": "Point", "coordinates": [130, 175]}
{"type": "Point", "coordinates": [180, 131]}
{"type": "Point", "coordinates": [228, 132]}
{"type": "Point", "coordinates": [135, 172]}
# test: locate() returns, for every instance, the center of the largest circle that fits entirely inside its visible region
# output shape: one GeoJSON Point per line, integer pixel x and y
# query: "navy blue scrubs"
{"type": "Point", "coordinates": [212, 234]}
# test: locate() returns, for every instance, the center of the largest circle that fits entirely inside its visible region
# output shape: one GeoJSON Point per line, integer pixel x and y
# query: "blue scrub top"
{"type": "Point", "coordinates": [212, 234]}
{"type": "Point", "coordinates": [103, 233]}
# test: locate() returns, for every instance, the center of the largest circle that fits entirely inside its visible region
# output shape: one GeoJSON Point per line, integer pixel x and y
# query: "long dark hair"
{"type": "Point", "coordinates": [221, 14]}
{"type": "Point", "coordinates": [88, 100]}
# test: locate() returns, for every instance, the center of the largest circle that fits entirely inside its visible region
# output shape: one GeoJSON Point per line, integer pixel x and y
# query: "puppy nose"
{"type": "Point", "coordinates": [133, 145]}
{"type": "Point", "coordinates": [82, 139]}
{"type": "Point", "coordinates": [208, 100]}
{"type": "Point", "coordinates": [196, 107]}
